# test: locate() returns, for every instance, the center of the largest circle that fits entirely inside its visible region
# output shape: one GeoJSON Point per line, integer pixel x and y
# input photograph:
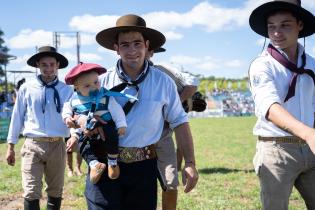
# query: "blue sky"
{"type": "Point", "coordinates": [211, 38]}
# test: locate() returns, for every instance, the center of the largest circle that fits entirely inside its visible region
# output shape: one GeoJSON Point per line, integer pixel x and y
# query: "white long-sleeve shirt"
{"type": "Point", "coordinates": [270, 83]}
{"type": "Point", "coordinates": [28, 117]}
{"type": "Point", "coordinates": [158, 101]}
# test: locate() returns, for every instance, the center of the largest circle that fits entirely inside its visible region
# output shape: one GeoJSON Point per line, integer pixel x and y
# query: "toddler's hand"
{"type": "Point", "coordinates": [122, 131]}
{"type": "Point", "coordinates": [70, 122]}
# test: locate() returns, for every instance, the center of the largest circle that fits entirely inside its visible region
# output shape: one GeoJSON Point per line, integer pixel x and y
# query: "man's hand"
{"type": "Point", "coordinates": [10, 155]}
{"type": "Point", "coordinates": [71, 143]}
{"type": "Point", "coordinates": [189, 177]}
{"type": "Point", "coordinates": [310, 139]}
{"type": "Point", "coordinates": [70, 122]}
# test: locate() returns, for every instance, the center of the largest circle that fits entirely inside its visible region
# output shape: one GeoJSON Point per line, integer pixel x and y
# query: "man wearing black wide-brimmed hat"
{"type": "Point", "coordinates": [282, 84]}
{"type": "Point", "coordinates": [158, 101]}
{"type": "Point", "coordinates": [37, 115]}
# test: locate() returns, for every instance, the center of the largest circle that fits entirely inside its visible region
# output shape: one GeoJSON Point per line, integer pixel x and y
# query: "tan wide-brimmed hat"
{"type": "Point", "coordinates": [108, 37]}
{"type": "Point", "coordinates": [258, 18]}
{"type": "Point", "coordinates": [48, 51]}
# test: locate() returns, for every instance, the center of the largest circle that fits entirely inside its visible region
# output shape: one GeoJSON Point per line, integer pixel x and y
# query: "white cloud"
{"type": "Point", "coordinates": [87, 39]}
{"type": "Point", "coordinates": [90, 57]}
{"type": "Point", "coordinates": [28, 39]}
{"type": "Point", "coordinates": [72, 57]}
{"type": "Point", "coordinates": [205, 15]}
{"type": "Point", "coordinates": [171, 35]}
{"type": "Point", "coordinates": [40, 37]}
{"type": "Point", "coordinates": [206, 64]}
{"type": "Point", "coordinates": [92, 24]}
{"type": "Point", "coordinates": [234, 63]}
{"type": "Point", "coordinates": [184, 60]}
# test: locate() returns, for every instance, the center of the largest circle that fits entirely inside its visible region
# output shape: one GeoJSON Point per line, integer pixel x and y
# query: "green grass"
{"type": "Point", "coordinates": [224, 148]}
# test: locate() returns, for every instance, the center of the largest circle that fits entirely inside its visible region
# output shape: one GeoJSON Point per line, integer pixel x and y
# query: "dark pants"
{"type": "Point", "coordinates": [97, 149]}
{"type": "Point", "coordinates": [135, 189]}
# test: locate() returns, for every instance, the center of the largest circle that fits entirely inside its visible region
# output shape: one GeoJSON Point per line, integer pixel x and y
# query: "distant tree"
{"type": "Point", "coordinates": [3, 49]}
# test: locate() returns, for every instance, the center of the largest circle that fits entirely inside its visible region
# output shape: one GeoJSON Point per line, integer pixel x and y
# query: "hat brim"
{"type": "Point", "coordinates": [107, 38]}
{"type": "Point", "coordinates": [258, 18]}
{"type": "Point", "coordinates": [159, 50]}
{"type": "Point", "coordinates": [63, 61]}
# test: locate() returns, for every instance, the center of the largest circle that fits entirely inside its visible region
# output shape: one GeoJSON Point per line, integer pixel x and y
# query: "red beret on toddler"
{"type": "Point", "coordinates": [82, 68]}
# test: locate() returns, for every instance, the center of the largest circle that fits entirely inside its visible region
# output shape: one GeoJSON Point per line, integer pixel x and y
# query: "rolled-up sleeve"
{"type": "Point", "coordinates": [173, 110]}
{"type": "Point", "coordinates": [190, 79]}
{"type": "Point", "coordinates": [263, 87]}
{"type": "Point", "coordinates": [67, 110]}
{"type": "Point", "coordinates": [17, 117]}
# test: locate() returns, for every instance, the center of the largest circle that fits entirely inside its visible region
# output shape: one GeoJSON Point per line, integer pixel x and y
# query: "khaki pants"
{"type": "Point", "coordinates": [280, 166]}
{"type": "Point", "coordinates": [166, 160]}
{"type": "Point", "coordinates": [43, 158]}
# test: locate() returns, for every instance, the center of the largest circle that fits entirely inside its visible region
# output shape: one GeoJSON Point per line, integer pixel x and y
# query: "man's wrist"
{"type": "Point", "coordinates": [11, 146]}
{"type": "Point", "coordinates": [190, 162]}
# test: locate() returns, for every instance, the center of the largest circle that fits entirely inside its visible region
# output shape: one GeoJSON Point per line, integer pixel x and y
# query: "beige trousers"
{"type": "Point", "coordinates": [43, 158]}
{"type": "Point", "coordinates": [280, 166]}
{"type": "Point", "coordinates": [166, 160]}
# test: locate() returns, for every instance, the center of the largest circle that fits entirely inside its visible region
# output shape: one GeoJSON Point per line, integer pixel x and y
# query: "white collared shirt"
{"type": "Point", "coordinates": [158, 101]}
{"type": "Point", "coordinates": [28, 117]}
{"type": "Point", "coordinates": [270, 84]}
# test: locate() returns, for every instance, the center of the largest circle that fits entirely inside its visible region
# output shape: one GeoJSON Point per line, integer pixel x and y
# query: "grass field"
{"type": "Point", "coordinates": [224, 149]}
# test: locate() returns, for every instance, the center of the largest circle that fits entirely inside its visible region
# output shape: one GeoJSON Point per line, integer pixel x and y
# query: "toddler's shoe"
{"type": "Point", "coordinates": [96, 172]}
{"type": "Point", "coordinates": [113, 171]}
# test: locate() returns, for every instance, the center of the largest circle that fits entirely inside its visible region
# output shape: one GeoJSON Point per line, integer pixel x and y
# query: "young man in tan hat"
{"type": "Point", "coordinates": [167, 161]}
{"type": "Point", "coordinates": [37, 115]}
{"type": "Point", "coordinates": [282, 84]}
{"type": "Point", "coordinates": [136, 188]}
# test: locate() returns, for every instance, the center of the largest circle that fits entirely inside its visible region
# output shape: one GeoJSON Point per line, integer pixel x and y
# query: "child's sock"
{"type": "Point", "coordinates": [93, 163]}
{"type": "Point", "coordinates": [112, 161]}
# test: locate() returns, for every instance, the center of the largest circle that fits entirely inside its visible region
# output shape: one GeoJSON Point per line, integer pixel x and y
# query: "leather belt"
{"type": "Point", "coordinates": [283, 139]}
{"type": "Point", "coordinates": [134, 154]}
{"type": "Point", "coordinates": [45, 139]}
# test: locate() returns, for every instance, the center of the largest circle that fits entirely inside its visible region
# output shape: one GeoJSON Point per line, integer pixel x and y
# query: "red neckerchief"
{"type": "Point", "coordinates": [292, 67]}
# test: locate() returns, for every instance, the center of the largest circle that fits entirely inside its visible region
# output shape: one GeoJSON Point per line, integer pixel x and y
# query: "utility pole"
{"type": "Point", "coordinates": [78, 46]}
{"type": "Point", "coordinates": [57, 40]}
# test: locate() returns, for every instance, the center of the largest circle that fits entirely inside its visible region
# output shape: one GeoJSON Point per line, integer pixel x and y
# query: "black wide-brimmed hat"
{"type": "Point", "coordinates": [48, 51]}
{"type": "Point", "coordinates": [160, 49]}
{"type": "Point", "coordinates": [108, 37]}
{"type": "Point", "coordinates": [258, 18]}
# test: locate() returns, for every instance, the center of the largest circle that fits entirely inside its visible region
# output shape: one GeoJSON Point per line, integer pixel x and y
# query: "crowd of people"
{"type": "Point", "coordinates": [123, 118]}
{"type": "Point", "coordinates": [232, 102]}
